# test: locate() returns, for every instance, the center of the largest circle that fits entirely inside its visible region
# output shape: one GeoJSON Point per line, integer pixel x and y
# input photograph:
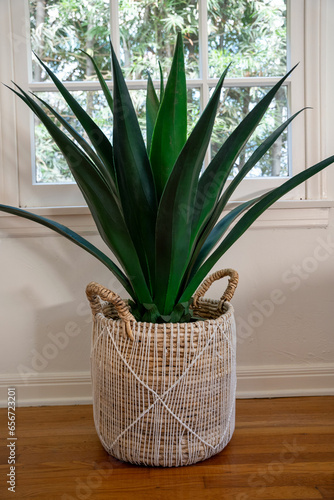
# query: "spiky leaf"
{"type": "Point", "coordinates": [75, 238]}
{"type": "Point", "coordinates": [162, 85]}
{"type": "Point", "coordinates": [203, 234]}
{"type": "Point", "coordinates": [80, 140]}
{"type": "Point", "coordinates": [214, 177]}
{"type": "Point", "coordinates": [100, 199]}
{"type": "Point", "coordinates": [176, 209]}
{"type": "Point", "coordinates": [97, 137]}
{"type": "Point", "coordinates": [152, 108]}
{"type": "Point", "coordinates": [248, 219]}
{"type": "Point", "coordinates": [134, 175]}
{"type": "Point", "coordinates": [103, 83]}
{"type": "Point", "coordinates": [170, 131]}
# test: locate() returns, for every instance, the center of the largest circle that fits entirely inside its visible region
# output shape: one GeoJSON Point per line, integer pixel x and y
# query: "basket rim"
{"type": "Point", "coordinates": [225, 316]}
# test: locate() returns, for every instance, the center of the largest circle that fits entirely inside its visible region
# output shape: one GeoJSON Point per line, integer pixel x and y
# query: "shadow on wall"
{"type": "Point", "coordinates": [61, 340]}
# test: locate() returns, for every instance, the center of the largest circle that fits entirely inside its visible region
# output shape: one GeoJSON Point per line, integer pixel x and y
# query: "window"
{"type": "Point", "coordinates": [260, 37]}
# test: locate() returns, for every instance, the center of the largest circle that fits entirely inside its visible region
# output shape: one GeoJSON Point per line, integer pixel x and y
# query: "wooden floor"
{"type": "Point", "coordinates": [281, 449]}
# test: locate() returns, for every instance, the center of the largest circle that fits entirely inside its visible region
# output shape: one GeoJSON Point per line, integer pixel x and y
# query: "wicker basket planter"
{"type": "Point", "coordinates": [164, 394]}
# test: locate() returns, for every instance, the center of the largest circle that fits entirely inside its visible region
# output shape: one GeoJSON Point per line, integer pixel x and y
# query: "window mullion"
{"type": "Point", "coordinates": [114, 27]}
{"type": "Point", "coordinates": [203, 61]}
{"type": "Point", "coordinates": [141, 84]}
{"type": "Point", "coordinates": [249, 82]}
{"type": "Point", "coordinates": [313, 77]}
{"type": "Point", "coordinates": [327, 96]}
{"type": "Point", "coordinates": [296, 95]}
{"type": "Point", "coordinates": [8, 124]}
{"type": "Point", "coordinates": [22, 75]}
{"type": "Point", "coordinates": [72, 86]}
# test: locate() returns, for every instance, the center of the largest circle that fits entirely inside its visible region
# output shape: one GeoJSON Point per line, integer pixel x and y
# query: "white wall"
{"type": "Point", "coordinates": [285, 349]}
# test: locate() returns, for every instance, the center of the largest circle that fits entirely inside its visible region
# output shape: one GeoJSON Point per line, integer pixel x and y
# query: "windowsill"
{"type": "Point", "coordinates": [283, 214]}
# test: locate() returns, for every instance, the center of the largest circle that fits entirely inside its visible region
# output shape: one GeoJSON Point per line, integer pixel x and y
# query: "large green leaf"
{"type": "Point", "coordinates": [162, 85]}
{"type": "Point", "coordinates": [134, 175]}
{"type": "Point", "coordinates": [250, 163]}
{"type": "Point", "coordinates": [215, 175]}
{"type": "Point", "coordinates": [247, 220]}
{"type": "Point", "coordinates": [53, 129]}
{"type": "Point", "coordinates": [202, 234]}
{"type": "Point", "coordinates": [170, 132]}
{"type": "Point", "coordinates": [152, 108]}
{"type": "Point", "coordinates": [100, 199]}
{"type": "Point", "coordinates": [103, 83]}
{"type": "Point", "coordinates": [217, 233]}
{"type": "Point", "coordinates": [75, 238]}
{"type": "Point", "coordinates": [80, 140]}
{"type": "Point", "coordinates": [98, 139]}
{"type": "Point", "coordinates": [175, 213]}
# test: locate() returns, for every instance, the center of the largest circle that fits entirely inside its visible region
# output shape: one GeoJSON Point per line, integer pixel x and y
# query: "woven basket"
{"type": "Point", "coordinates": [164, 394]}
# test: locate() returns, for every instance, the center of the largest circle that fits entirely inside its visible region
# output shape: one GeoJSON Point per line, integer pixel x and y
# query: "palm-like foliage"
{"type": "Point", "coordinates": [154, 209]}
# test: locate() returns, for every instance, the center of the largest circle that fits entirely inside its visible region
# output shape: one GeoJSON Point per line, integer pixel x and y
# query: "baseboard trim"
{"type": "Point", "coordinates": [49, 389]}
{"type": "Point", "coordinates": [285, 381]}
{"type": "Point", "coordinates": [253, 382]}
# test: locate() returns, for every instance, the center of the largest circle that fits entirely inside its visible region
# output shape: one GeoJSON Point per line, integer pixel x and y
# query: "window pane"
{"type": "Point", "coordinates": [148, 33]}
{"type": "Point", "coordinates": [249, 33]}
{"type": "Point", "coordinates": [60, 28]}
{"type": "Point", "coordinates": [235, 104]}
{"type": "Point", "coordinates": [50, 165]}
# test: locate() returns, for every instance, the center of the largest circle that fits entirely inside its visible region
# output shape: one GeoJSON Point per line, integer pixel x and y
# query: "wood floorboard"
{"type": "Point", "coordinates": [282, 449]}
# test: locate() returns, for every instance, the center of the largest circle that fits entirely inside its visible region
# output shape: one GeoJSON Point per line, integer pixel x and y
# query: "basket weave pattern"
{"type": "Point", "coordinates": [167, 397]}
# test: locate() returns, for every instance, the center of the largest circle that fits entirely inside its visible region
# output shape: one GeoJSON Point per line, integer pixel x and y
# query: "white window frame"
{"type": "Point", "coordinates": [311, 22]}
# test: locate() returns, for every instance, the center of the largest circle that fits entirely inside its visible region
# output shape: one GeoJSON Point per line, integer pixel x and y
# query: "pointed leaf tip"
{"type": "Point", "coordinates": [170, 132]}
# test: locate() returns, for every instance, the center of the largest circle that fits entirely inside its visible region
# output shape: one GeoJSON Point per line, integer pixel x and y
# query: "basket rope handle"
{"type": "Point", "coordinates": [229, 292]}
{"type": "Point", "coordinates": [95, 292]}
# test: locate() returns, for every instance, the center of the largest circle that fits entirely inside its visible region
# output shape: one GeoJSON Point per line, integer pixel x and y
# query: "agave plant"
{"type": "Point", "coordinates": [156, 210]}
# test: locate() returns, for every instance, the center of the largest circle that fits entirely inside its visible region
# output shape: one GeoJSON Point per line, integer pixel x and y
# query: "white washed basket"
{"type": "Point", "coordinates": [166, 396]}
